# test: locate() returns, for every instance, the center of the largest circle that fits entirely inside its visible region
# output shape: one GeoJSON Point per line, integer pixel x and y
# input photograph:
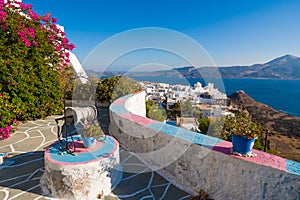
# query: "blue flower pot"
{"type": "Point", "coordinates": [242, 144]}
{"type": "Point", "coordinates": [88, 142]}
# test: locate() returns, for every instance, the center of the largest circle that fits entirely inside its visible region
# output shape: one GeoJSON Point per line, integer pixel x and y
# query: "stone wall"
{"type": "Point", "coordinates": [194, 161]}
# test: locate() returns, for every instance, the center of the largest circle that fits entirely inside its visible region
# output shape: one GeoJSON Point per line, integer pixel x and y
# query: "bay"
{"type": "Point", "coordinates": [283, 95]}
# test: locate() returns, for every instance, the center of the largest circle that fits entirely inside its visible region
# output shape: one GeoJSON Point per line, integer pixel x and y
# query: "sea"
{"type": "Point", "coordinates": [282, 95]}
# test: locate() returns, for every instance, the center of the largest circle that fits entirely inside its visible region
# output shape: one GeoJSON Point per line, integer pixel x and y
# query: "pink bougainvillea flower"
{"type": "Point", "coordinates": [35, 43]}
{"type": "Point", "coordinates": [2, 15]}
{"type": "Point", "coordinates": [71, 46]}
{"type": "Point", "coordinates": [8, 128]}
{"type": "Point", "coordinates": [27, 44]}
{"type": "Point", "coordinates": [24, 6]}
{"type": "Point", "coordinates": [58, 47]}
{"type": "Point", "coordinates": [53, 20]}
{"type": "Point", "coordinates": [29, 32]}
{"type": "Point", "coordinates": [4, 27]}
{"type": "Point", "coordinates": [33, 15]}
{"type": "Point", "coordinates": [51, 37]}
{"type": "Point", "coordinates": [65, 41]}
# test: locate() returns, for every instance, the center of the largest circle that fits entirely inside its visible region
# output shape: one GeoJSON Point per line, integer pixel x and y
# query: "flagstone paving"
{"type": "Point", "coordinates": [22, 170]}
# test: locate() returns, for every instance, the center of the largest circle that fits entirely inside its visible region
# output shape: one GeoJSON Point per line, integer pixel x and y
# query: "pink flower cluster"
{"type": "Point", "coordinates": [1, 5]}
{"type": "Point", "coordinates": [27, 34]}
{"type": "Point", "coordinates": [24, 32]}
{"type": "Point", "coordinates": [5, 132]}
{"type": "Point", "coordinates": [2, 13]}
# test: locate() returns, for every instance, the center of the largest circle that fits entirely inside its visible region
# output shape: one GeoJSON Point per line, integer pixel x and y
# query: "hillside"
{"type": "Point", "coordinates": [284, 67]}
{"type": "Point", "coordinates": [287, 140]}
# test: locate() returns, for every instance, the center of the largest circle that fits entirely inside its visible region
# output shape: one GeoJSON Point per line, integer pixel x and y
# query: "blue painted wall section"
{"type": "Point", "coordinates": [193, 137]}
{"type": "Point", "coordinates": [190, 136]}
{"type": "Point", "coordinates": [118, 109]}
{"type": "Point", "coordinates": [293, 167]}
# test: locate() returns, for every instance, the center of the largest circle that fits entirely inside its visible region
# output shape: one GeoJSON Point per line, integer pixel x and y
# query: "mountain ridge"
{"type": "Point", "coordinates": [284, 67]}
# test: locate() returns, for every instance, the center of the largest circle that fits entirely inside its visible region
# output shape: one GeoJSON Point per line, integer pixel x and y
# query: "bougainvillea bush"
{"type": "Point", "coordinates": [33, 59]}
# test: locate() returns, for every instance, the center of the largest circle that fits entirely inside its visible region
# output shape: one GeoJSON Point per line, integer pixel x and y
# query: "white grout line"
{"type": "Point", "coordinates": [6, 192]}
{"type": "Point", "coordinates": [133, 194]}
{"type": "Point", "coordinates": [134, 175]}
{"type": "Point", "coordinates": [160, 185]}
{"type": "Point", "coordinates": [165, 192]}
{"type": "Point", "coordinates": [145, 197]}
{"type": "Point", "coordinates": [24, 163]}
{"type": "Point", "coordinates": [185, 197]}
{"type": "Point", "coordinates": [17, 195]}
{"type": "Point", "coordinates": [12, 148]}
{"type": "Point", "coordinates": [151, 179]}
{"type": "Point", "coordinates": [151, 193]}
{"type": "Point", "coordinates": [43, 141]}
{"type": "Point", "coordinates": [34, 122]}
{"type": "Point", "coordinates": [32, 174]}
{"type": "Point", "coordinates": [20, 182]}
{"type": "Point", "coordinates": [35, 137]}
{"type": "Point", "coordinates": [134, 164]}
{"type": "Point", "coordinates": [150, 183]}
{"type": "Point", "coordinates": [52, 130]}
{"type": "Point", "coordinates": [18, 140]}
{"type": "Point", "coordinates": [38, 198]}
{"type": "Point", "coordinates": [10, 179]}
{"type": "Point", "coordinates": [126, 158]}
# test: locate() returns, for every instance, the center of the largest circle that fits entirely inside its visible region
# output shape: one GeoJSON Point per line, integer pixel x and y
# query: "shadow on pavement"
{"type": "Point", "coordinates": [22, 172]}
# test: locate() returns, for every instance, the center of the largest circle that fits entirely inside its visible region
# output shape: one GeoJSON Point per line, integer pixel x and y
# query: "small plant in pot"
{"type": "Point", "coordinates": [91, 133]}
{"type": "Point", "coordinates": [243, 132]}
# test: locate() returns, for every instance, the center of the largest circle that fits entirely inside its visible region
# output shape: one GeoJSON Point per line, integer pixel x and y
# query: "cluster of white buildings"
{"type": "Point", "coordinates": [210, 100]}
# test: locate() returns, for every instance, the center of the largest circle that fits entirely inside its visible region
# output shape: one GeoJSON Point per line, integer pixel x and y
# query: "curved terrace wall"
{"type": "Point", "coordinates": [203, 162]}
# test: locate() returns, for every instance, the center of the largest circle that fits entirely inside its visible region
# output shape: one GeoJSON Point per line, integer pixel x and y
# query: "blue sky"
{"type": "Point", "coordinates": [232, 32]}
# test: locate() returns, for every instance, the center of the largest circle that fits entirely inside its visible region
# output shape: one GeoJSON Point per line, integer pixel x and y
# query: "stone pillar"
{"type": "Point", "coordinates": [90, 174]}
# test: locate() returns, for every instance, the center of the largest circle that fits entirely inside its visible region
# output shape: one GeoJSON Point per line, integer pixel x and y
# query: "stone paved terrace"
{"type": "Point", "coordinates": [21, 172]}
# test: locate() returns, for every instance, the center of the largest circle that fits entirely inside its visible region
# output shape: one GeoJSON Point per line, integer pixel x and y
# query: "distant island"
{"type": "Point", "coordinates": [284, 67]}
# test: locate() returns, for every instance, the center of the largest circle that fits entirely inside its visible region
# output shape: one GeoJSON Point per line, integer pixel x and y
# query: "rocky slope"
{"type": "Point", "coordinates": [278, 121]}
{"type": "Point", "coordinates": [287, 139]}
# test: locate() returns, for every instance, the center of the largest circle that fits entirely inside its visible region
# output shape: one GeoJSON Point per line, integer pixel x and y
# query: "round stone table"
{"type": "Point", "coordinates": [89, 174]}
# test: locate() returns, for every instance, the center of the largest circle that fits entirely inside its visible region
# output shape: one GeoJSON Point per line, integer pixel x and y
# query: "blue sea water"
{"type": "Point", "coordinates": [282, 95]}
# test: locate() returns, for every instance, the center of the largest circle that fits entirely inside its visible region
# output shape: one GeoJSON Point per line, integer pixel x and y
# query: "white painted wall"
{"type": "Point", "coordinates": [76, 65]}
{"type": "Point", "coordinates": [220, 175]}
{"type": "Point", "coordinates": [136, 104]}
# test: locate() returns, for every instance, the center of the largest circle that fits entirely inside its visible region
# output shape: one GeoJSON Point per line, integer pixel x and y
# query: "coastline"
{"type": "Point", "coordinates": [280, 94]}
{"type": "Point", "coordinates": [271, 91]}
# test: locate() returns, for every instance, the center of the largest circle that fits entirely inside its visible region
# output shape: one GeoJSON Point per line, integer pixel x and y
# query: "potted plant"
{"type": "Point", "coordinates": [243, 132]}
{"type": "Point", "coordinates": [91, 133]}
